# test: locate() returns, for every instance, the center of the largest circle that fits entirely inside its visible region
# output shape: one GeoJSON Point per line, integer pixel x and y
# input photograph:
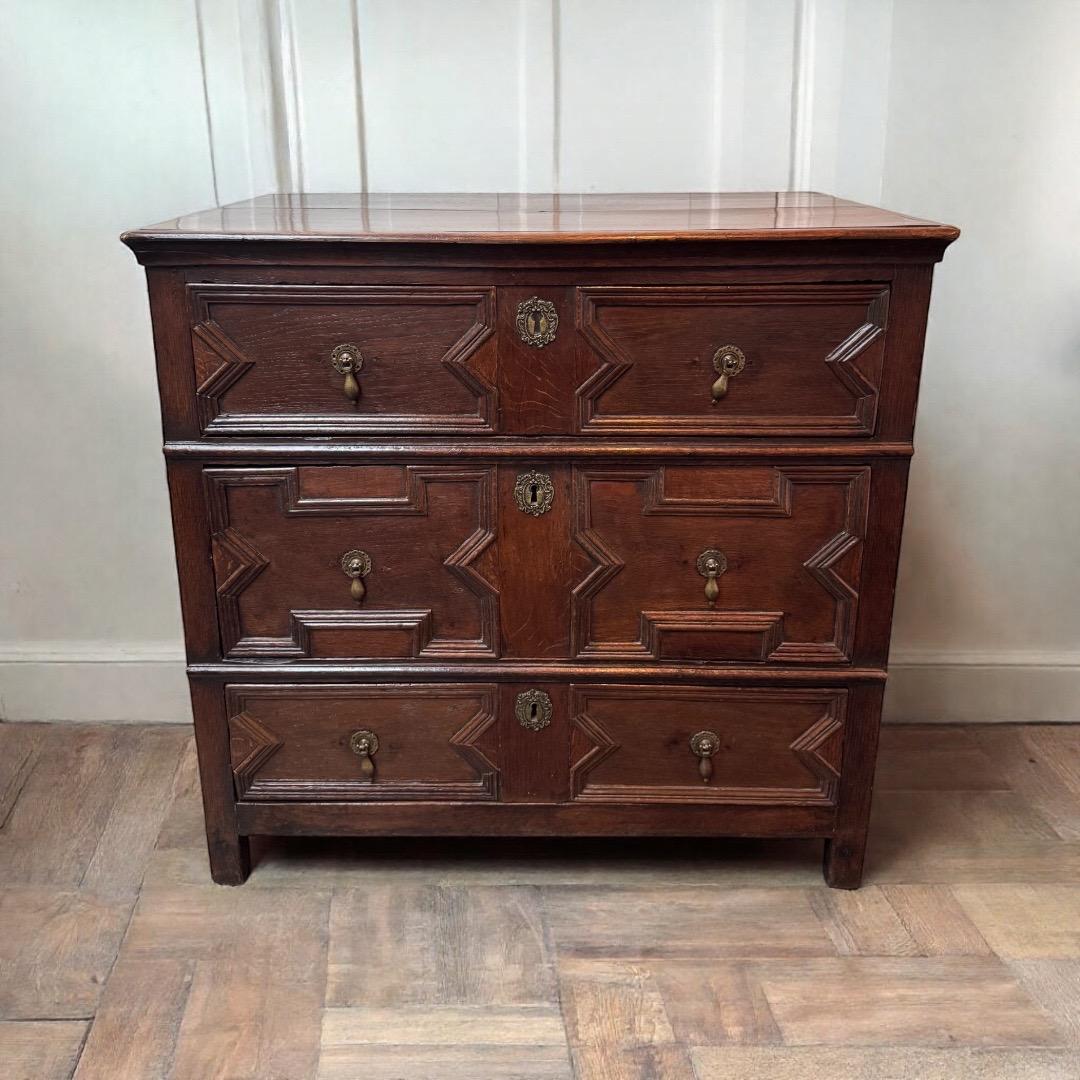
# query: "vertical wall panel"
{"type": "Point", "coordinates": [846, 46]}
{"type": "Point", "coordinates": [326, 69]}
{"type": "Point", "coordinates": [763, 36]}
{"type": "Point", "coordinates": [635, 95]}
{"type": "Point", "coordinates": [440, 87]}
{"type": "Point", "coordinates": [540, 95]}
{"type": "Point", "coordinates": [239, 97]}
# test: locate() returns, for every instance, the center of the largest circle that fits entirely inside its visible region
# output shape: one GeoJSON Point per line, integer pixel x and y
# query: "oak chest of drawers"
{"type": "Point", "coordinates": [538, 515]}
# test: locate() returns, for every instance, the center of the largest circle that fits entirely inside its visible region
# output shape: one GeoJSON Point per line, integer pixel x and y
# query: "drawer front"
{"type": "Point", "coordinates": [728, 563]}
{"type": "Point", "coordinates": [363, 743]}
{"type": "Point", "coordinates": [369, 561]}
{"type": "Point", "coordinates": [634, 744]}
{"type": "Point", "coordinates": [801, 360]}
{"type": "Point", "coordinates": [344, 360]}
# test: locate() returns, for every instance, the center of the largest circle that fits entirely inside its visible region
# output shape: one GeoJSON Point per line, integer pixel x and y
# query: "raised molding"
{"type": "Point", "coordinates": [238, 562]}
{"type": "Point", "coordinates": [220, 362]}
{"type": "Point", "coordinates": [616, 360]}
{"type": "Point", "coordinates": [768, 625]}
{"type": "Point", "coordinates": [253, 744]}
{"type": "Point", "coordinates": [818, 748]}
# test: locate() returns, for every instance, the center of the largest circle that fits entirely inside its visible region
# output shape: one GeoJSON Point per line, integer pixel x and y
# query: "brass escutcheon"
{"type": "Point", "coordinates": [703, 745]}
{"type": "Point", "coordinates": [710, 565]}
{"type": "Point", "coordinates": [728, 361]}
{"type": "Point", "coordinates": [537, 321]}
{"type": "Point", "coordinates": [533, 709]}
{"type": "Point", "coordinates": [356, 564]}
{"type": "Point", "coordinates": [534, 493]}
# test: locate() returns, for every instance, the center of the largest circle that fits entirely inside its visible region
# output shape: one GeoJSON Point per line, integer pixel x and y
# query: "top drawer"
{"type": "Point", "coordinates": [769, 360]}
{"type": "Point", "coordinates": [344, 360]}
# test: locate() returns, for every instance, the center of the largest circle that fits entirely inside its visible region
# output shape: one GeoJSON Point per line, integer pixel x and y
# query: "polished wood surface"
{"type": "Point", "coordinates": [790, 538]}
{"type": "Point", "coordinates": [635, 744]}
{"type": "Point", "coordinates": [279, 536]}
{"type": "Point", "coordinates": [433, 743]}
{"type": "Point", "coordinates": [793, 467]}
{"type": "Point", "coordinates": [263, 360]}
{"type": "Point", "coordinates": [813, 360]}
{"type": "Point", "coordinates": [515, 218]}
{"type": "Point", "coordinates": [700, 959]}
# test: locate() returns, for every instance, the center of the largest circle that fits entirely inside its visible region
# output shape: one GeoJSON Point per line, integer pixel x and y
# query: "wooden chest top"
{"type": "Point", "coordinates": [544, 218]}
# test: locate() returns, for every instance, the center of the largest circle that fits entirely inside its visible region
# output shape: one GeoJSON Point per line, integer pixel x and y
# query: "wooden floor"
{"type": "Point", "coordinates": [600, 960]}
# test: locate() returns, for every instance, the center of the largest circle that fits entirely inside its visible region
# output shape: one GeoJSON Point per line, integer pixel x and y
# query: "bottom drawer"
{"type": "Point", "coordinates": [621, 744]}
{"type": "Point", "coordinates": [363, 743]}
{"type": "Point", "coordinates": [697, 744]}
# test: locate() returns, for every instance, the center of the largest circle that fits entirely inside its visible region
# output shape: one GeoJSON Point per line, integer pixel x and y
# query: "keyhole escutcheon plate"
{"type": "Point", "coordinates": [533, 709]}
{"type": "Point", "coordinates": [537, 321]}
{"type": "Point", "coordinates": [534, 493]}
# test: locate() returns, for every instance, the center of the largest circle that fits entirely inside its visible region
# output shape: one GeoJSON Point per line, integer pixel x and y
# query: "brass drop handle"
{"type": "Point", "coordinates": [356, 565]}
{"type": "Point", "coordinates": [348, 361]}
{"type": "Point", "coordinates": [728, 361]}
{"type": "Point", "coordinates": [710, 565]}
{"type": "Point", "coordinates": [703, 745]}
{"type": "Point", "coordinates": [365, 744]}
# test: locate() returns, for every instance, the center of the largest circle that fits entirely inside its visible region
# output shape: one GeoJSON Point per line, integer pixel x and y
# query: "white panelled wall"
{"type": "Point", "coordinates": [127, 112]}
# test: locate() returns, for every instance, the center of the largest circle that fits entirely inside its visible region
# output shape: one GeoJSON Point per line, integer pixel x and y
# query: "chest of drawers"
{"type": "Point", "coordinates": [538, 515]}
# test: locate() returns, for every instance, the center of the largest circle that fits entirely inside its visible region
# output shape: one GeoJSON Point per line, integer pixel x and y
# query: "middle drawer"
{"type": "Point", "coordinates": [729, 563]}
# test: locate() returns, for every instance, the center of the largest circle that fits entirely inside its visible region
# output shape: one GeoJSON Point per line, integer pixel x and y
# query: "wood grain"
{"type": "Point", "coordinates": [1025, 922]}
{"type": "Point", "coordinates": [438, 946]}
{"type": "Point", "coordinates": [876, 1001]}
{"type": "Point", "coordinates": [874, 1063]}
{"type": "Point", "coordinates": [56, 951]}
{"type": "Point", "coordinates": [520, 218]}
{"type": "Point", "coordinates": [40, 1049]}
{"type": "Point", "coordinates": [862, 923]}
{"type": "Point", "coordinates": [935, 920]}
{"type": "Point", "coordinates": [682, 922]}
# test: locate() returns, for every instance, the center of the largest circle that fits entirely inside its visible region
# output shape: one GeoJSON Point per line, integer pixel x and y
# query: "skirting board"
{"type": "Point", "coordinates": [145, 683]}
{"type": "Point", "coordinates": [983, 687]}
{"type": "Point", "coordinates": [136, 683]}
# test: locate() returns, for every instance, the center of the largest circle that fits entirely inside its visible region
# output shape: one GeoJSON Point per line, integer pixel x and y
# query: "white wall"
{"type": "Point", "coordinates": [984, 131]}
{"type": "Point", "coordinates": [128, 112]}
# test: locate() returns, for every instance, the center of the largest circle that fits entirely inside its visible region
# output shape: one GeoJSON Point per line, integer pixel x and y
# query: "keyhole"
{"type": "Point", "coordinates": [534, 497]}
{"type": "Point", "coordinates": [532, 711]}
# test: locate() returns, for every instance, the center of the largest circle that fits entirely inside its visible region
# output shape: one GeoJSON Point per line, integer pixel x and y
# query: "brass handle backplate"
{"type": "Point", "coordinates": [710, 565]}
{"type": "Point", "coordinates": [533, 709]}
{"type": "Point", "coordinates": [537, 321]}
{"type": "Point", "coordinates": [348, 361]}
{"type": "Point", "coordinates": [356, 565]}
{"type": "Point", "coordinates": [365, 744]}
{"type": "Point", "coordinates": [728, 361]}
{"type": "Point", "coordinates": [703, 745]}
{"type": "Point", "coordinates": [534, 493]}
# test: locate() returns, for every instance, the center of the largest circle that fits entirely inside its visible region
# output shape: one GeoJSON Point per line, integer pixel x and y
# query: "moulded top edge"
{"type": "Point", "coordinates": [542, 219]}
